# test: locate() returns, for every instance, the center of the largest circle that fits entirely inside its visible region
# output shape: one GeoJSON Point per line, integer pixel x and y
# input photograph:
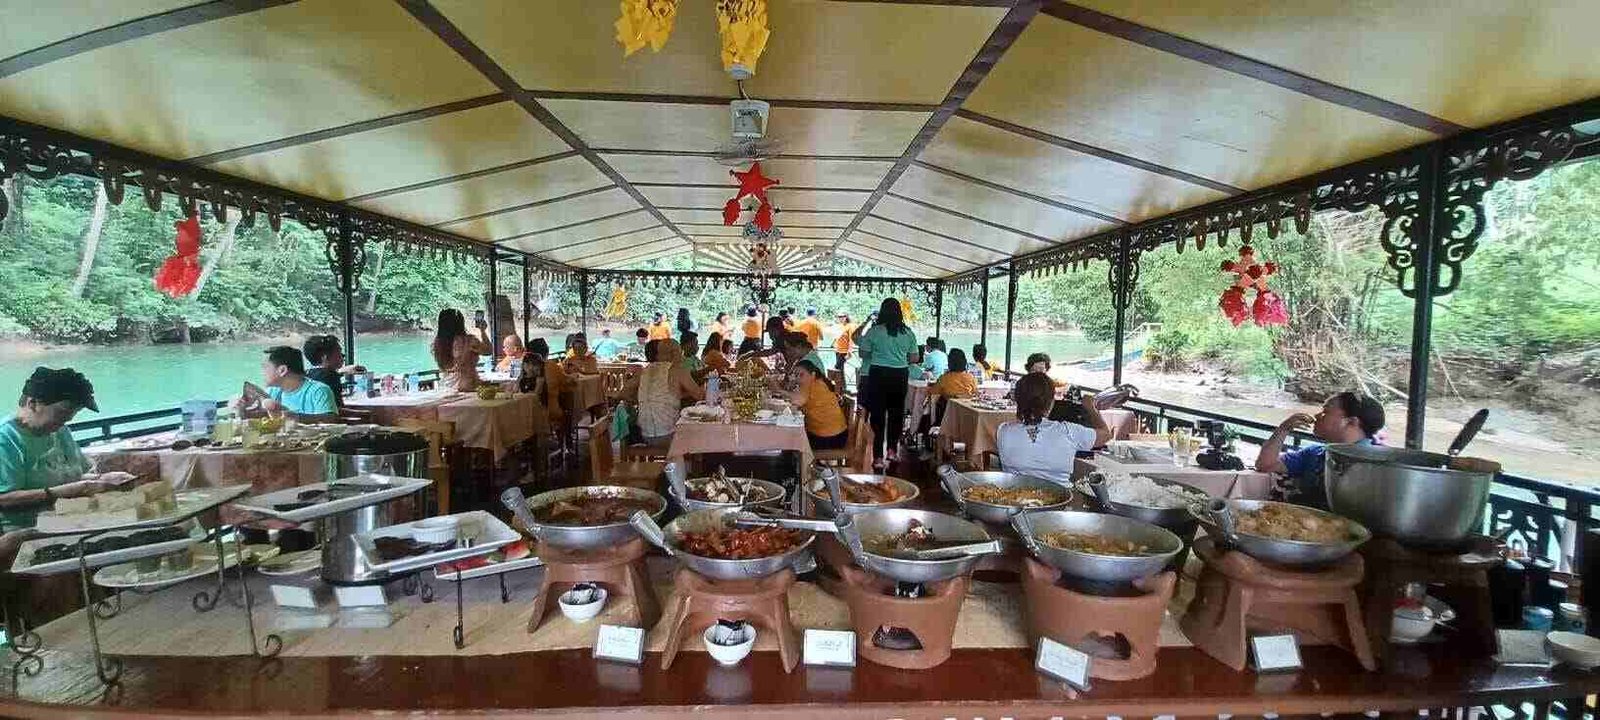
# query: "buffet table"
{"type": "Point", "coordinates": [691, 438]}
{"type": "Point", "coordinates": [1218, 483]}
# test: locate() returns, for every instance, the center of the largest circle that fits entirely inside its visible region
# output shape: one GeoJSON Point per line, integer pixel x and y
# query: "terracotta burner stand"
{"type": "Point", "coordinates": [619, 569]}
{"type": "Point", "coordinates": [1463, 571]}
{"type": "Point", "coordinates": [1237, 595]}
{"type": "Point", "coordinates": [931, 618]}
{"type": "Point", "coordinates": [1078, 619]}
{"type": "Point", "coordinates": [699, 602]}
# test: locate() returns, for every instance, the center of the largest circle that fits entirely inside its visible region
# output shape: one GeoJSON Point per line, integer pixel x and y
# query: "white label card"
{"type": "Point", "coordinates": [360, 596]}
{"type": "Point", "coordinates": [1275, 653]}
{"type": "Point", "coordinates": [292, 596]}
{"type": "Point", "coordinates": [836, 648]}
{"type": "Point", "coordinates": [620, 643]}
{"type": "Point", "coordinates": [1063, 663]}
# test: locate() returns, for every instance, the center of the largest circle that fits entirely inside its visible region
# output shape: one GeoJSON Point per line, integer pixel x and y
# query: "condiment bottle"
{"type": "Point", "coordinates": [1537, 618]}
{"type": "Point", "coordinates": [1572, 617]}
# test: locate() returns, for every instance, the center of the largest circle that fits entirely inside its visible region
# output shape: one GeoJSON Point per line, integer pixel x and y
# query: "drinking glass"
{"type": "Point", "coordinates": [1182, 443]}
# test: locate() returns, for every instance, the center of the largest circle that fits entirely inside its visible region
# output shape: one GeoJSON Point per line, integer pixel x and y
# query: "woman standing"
{"type": "Point", "coordinates": [887, 351]}
{"type": "Point", "coordinates": [718, 327]}
{"type": "Point", "coordinates": [456, 352]}
{"type": "Point", "coordinates": [684, 324]}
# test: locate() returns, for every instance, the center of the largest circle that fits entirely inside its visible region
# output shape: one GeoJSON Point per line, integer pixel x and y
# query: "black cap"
{"type": "Point", "coordinates": [52, 386]}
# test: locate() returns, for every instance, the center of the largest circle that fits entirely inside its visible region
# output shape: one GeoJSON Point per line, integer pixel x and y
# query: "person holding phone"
{"type": "Point", "coordinates": [457, 352]}
{"type": "Point", "coordinates": [887, 352]}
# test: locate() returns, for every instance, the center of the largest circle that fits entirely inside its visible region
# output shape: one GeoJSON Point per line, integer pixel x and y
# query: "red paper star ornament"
{"type": "Point", "coordinates": [752, 182]}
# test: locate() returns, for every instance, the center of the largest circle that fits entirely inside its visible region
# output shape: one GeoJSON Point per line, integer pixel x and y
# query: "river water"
{"type": "Point", "coordinates": [136, 378]}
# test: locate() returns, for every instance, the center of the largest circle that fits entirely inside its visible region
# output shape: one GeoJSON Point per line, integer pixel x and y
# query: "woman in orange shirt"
{"type": "Point", "coordinates": [752, 332]}
{"type": "Point", "coordinates": [816, 398]}
{"type": "Point", "coordinates": [713, 357]}
{"type": "Point", "coordinates": [555, 380]}
{"type": "Point", "coordinates": [955, 383]}
{"type": "Point", "coordinates": [718, 327]}
{"type": "Point", "coordinates": [579, 360]}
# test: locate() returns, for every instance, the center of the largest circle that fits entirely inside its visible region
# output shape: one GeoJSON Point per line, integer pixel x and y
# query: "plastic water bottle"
{"type": "Point", "coordinates": [713, 390]}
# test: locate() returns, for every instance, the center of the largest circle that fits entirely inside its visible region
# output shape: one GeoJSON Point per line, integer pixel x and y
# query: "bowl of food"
{"type": "Point", "coordinates": [864, 492]}
{"type": "Point", "coordinates": [1283, 534]}
{"type": "Point", "coordinates": [1097, 546]}
{"type": "Point", "coordinates": [592, 516]}
{"type": "Point", "coordinates": [996, 496]}
{"type": "Point", "coordinates": [582, 603]}
{"type": "Point", "coordinates": [709, 543]}
{"type": "Point", "coordinates": [1153, 500]}
{"type": "Point", "coordinates": [885, 541]}
{"type": "Point", "coordinates": [720, 490]}
{"type": "Point", "coordinates": [435, 530]}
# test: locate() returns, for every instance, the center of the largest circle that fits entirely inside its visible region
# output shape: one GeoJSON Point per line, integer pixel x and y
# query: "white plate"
{"type": "Point", "coordinates": [190, 502]}
{"type": "Point", "coordinates": [262, 504]}
{"type": "Point", "coordinates": [23, 565]}
{"type": "Point", "coordinates": [126, 576]}
{"type": "Point", "coordinates": [532, 561]}
{"type": "Point", "coordinates": [295, 563]}
{"type": "Point", "coordinates": [488, 532]}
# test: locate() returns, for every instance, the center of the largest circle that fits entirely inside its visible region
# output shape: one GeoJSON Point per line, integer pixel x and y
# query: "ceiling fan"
{"type": "Point", "coordinates": [748, 141]}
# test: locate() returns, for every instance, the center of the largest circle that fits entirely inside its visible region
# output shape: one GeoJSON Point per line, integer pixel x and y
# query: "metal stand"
{"type": "Point", "coordinates": [109, 669]}
{"type": "Point", "coordinates": [460, 631]}
{"type": "Point", "coordinates": [26, 643]}
{"type": "Point", "coordinates": [273, 644]}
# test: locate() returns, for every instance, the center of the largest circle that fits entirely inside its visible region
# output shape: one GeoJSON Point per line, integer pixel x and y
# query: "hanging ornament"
{"type": "Point", "coordinates": [179, 275]}
{"type": "Point", "coordinates": [743, 27]}
{"type": "Point", "coordinates": [645, 22]}
{"type": "Point", "coordinates": [907, 313]}
{"type": "Point", "coordinates": [1268, 308]}
{"type": "Point", "coordinates": [618, 305]}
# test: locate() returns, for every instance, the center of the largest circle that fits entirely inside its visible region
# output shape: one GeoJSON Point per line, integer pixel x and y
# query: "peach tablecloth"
{"type": "Point", "coordinates": [691, 438]}
{"type": "Point", "coordinates": [389, 409]}
{"type": "Point", "coordinates": [975, 426]}
{"type": "Point", "coordinates": [587, 391]}
{"type": "Point", "coordinates": [493, 425]}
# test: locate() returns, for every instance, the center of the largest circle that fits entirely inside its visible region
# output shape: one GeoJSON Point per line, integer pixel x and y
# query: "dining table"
{"type": "Point", "coordinates": [692, 437]}
{"type": "Point", "coordinates": [588, 391]}
{"type": "Point", "coordinates": [1247, 483]}
{"type": "Point", "coordinates": [495, 425]}
{"type": "Point", "coordinates": [974, 423]}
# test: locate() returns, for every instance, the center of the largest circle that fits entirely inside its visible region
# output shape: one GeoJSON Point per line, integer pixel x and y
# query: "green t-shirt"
{"type": "Point", "coordinates": [35, 462]}
{"type": "Point", "coordinates": [880, 348]}
{"type": "Point", "coordinates": [311, 398]}
{"type": "Point", "coordinates": [693, 364]}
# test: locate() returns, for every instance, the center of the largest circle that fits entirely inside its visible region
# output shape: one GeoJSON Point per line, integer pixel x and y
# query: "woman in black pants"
{"type": "Point", "coordinates": [887, 351]}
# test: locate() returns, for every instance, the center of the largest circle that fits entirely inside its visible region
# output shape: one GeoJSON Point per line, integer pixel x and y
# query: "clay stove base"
{"type": "Point", "coordinates": [620, 570]}
{"type": "Point", "coordinates": [932, 617]}
{"type": "Point", "coordinates": [699, 602]}
{"type": "Point", "coordinates": [1391, 566]}
{"type": "Point", "coordinates": [1237, 594]}
{"type": "Point", "coordinates": [1072, 618]}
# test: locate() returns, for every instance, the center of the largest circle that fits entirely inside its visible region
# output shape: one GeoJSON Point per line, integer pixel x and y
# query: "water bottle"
{"type": "Point", "coordinates": [713, 390]}
{"type": "Point", "coordinates": [413, 382]}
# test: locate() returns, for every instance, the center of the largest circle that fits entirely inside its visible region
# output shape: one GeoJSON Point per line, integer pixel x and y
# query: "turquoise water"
{"type": "Point", "coordinates": [130, 379]}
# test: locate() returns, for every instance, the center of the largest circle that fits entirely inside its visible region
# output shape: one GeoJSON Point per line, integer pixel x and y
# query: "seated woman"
{"type": "Point", "coordinates": [1348, 417]}
{"type": "Point", "coordinates": [1040, 363]}
{"type": "Point", "coordinates": [555, 380]}
{"type": "Point", "coordinates": [956, 383]}
{"type": "Point", "coordinates": [817, 399]}
{"type": "Point", "coordinates": [713, 357]}
{"type": "Point", "coordinates": [1034, 444]}
{"type": "Point", "coordinates": [981, 367]}
{"type": "Point", "coordinates": [39, 460]}
{"type": "Point", "coordinates": [579, 361]}
{"type": "Point", "coordinates": [660, 389]}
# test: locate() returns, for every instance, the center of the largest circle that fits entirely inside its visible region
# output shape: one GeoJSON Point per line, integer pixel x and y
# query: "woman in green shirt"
{"type": "Point", "coordinates": [39, 460]}
{"type": "Point", "coordinates": [887, 351]}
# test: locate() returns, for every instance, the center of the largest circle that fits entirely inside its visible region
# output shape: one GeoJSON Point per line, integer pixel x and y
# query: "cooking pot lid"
{"type": "Point", "coordinates": [376, 442]}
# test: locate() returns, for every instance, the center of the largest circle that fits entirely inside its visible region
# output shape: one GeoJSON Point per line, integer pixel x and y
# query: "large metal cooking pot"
{"type": "Point", "coordinates": [1032, 527]}
{"type": "Point", "coordinates": [862, 526]}
{"type": "Point", "coordinates": [1413, 496]}
{"type": "Point", "coordinates": [586, 537]}
{"type": "Point", "coordinates": [956, 483]}
{"type": "Point", "coordinates": [379, 452]}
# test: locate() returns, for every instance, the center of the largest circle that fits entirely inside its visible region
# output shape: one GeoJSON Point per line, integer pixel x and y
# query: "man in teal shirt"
{"type": "Point", "coordinates": [607, 347]}
{"type": "Point", "coordinates": [935, 361]}
{"type": "Point", "coordinates": [39, 460]}
{"type": "Point", "coordinates": [289, 391]}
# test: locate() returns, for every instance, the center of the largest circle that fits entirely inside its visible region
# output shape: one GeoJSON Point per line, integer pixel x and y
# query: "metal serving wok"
{"type": "Point", "coordinates": [824, 504]}
{"type": "Point", "coordinates": [670, 539]}
{"type": "Point", "coordinates": [1096, 486]}
{"type": "Point", "coordinates": [763, 493]}
{"type": "Point", "coordinates": [1218, 517]}
{"type": "Point", "coordinates": [1033, 526]}
{"type": "Point", "coordinates": [858, 529]}
{"type": "Point", "coordinates": [578, 537]}
{"type": "Point", "coordinates": [956, 483]}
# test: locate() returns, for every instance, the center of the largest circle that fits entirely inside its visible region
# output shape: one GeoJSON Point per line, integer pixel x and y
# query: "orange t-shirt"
{"type": "Point", "coordinates": [953, 384]}
{"type": "Point", "coordinates": [752, 328]}
{"type": "Point", "coordinates": [660, 331]}
{"type": "Point", "coordinates": [824, 418]}
{"type": "Point", "coordinates": [842, 344]}
{"type": "Point", "coordinates": [555, 383]}
{"type": "Point", "coordinates": [812, 330]}
{"type": "Point", "coordinates": [717, 328]}
{"type": "Point", "coordinates": [586, 364]}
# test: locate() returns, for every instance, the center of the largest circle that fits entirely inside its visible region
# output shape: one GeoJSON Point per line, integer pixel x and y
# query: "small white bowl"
{"type": "Point", "coordinates": [1410, 625]}
{"type": "Point", "coordinates": [1575, 649]}
{"type": "Point", "coordinates": [435, 530]}
{"type": "Point", "coordinates": [584, 612]}
{"type": "Point", "coordinates": [730, 654]}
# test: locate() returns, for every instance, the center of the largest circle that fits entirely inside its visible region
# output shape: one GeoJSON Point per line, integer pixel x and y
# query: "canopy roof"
{"type": "Point", "coordinates": [929, 137]}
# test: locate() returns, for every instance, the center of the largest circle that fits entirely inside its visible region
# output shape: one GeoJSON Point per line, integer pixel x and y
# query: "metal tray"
{"type": "Point", "coordinates": [190, 502]}
{"type": "Point", "coordinates": [488, 532]}
{"type": "Point", "coordinates": [23, 565]}
{"type": "Point", "coordinates": [532, 561]}
{"type": "Point", "coordinates": [262, 504]}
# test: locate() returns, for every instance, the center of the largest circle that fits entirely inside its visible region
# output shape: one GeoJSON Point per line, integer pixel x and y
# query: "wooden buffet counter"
{"type": "Point", "coordinates": [569, 683]}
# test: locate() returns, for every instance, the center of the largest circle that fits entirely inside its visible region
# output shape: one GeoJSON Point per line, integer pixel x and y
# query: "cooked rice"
{"type": "Point", "coordinates": [1141, 491]}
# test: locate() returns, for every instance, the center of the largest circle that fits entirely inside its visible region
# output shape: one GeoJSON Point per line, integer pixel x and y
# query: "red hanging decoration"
{"type": "Point", "coordinates": [751, 184]}
{"type": "Point", "coordinates": [1268, 308]}
{"type": "Point", "coordinates": [179, 275]}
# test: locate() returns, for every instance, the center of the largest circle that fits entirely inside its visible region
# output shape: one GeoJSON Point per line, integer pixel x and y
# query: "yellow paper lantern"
{"type": "Point", "coordinates": [743, 27]}
{"type": "Point", "coordinates": [645, 22]}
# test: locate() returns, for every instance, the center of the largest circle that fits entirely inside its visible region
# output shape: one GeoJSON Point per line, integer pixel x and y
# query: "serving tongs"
{"type": "Point", "coordinates": [1219, 512]}
{"type": "Point", "coordinates": [517, 503]}
{"type": "Point", "coordinates": [651, 530]}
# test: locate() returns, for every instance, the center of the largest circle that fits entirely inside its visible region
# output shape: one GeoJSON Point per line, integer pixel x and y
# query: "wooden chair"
{"type": "Point", "coordinates": [440, 435]}
{"type": "Point", "coordinates": [645, 475]}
